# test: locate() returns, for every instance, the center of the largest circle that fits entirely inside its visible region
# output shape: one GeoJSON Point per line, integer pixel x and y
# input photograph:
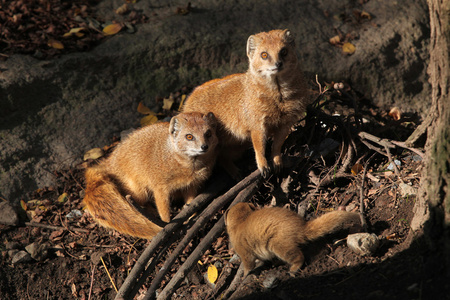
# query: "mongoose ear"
{"type": "Point", "coordinates": [251, 45]}
{"type": "Point", "coordinates": [225, 216]}
{"type": "Point", "coordinates": [173, 126]}
{"type": "Point", "coordinates": [252, 207]}
{"type": "Point", "coordinates": [211, 119]}
{"type": "Point", "coordinates": [289, 37]}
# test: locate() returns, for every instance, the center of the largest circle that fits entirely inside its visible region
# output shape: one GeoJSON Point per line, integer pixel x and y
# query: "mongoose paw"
{"type": "Point", "coordinates": [277, 168]}
{"type": "Point", "coordinates": [265, 172]}
{"type": "Point", "coordinates": [277, 164]}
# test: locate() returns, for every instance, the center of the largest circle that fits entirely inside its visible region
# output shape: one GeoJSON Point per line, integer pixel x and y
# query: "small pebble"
{"type": "Point", "coordinates": [363, 243]}
{"type": "Point", "coordinates": [21, 257]}
{"type": "Point", "coordinates": [270, 281]}
{"type": "Point", "coordinates": [8, 214]}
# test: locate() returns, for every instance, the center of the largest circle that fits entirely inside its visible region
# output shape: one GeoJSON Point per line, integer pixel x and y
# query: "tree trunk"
{"type": "Point", "coordinates": [434, 198]}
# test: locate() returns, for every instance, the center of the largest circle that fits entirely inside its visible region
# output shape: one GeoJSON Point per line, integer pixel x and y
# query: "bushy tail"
{"type": "Point", "coordinates": [111, 209]}
{"type": "Point", "coordinates": [329, 223]}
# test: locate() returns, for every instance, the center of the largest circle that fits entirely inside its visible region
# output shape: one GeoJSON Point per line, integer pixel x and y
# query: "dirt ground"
{"type": "Point", "coordinates": [85, 261]}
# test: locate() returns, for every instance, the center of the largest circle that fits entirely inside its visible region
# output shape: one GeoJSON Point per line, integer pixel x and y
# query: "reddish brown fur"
{"type": "Point", "coordinates": [276, 232]}
{"type": "Point", "coordinates": [260, 104]}
{"type": "Point", "coordinates": [154, 162]}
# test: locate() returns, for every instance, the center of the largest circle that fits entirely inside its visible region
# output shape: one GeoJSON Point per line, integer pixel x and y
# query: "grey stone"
{"type": "Point", "coordinates": [21, 257]}
{"type": "Point", "coordinates": [37, 251]}
{"type": "Point", "coordinates": [407, 190]}
{"type": "Point", "coordinates": [363, 243]}
{"type": "Point", "coordinates": [8, 214]}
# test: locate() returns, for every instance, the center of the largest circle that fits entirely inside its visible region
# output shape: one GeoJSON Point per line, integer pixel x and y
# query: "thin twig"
{"type": "Point", "coordinates": [92, 281]}
{"type": "Point", "coordinates": [397, 172]}
{"type": "Point", "coordinates": [107, 272]}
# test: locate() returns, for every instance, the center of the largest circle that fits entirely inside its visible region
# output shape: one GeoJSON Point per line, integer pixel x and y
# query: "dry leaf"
{"type": "Point", "coordinates": [212, 273]}
{"type": "Point", "coordinates": [23, 204]}
{"type": "Point", "coordinates": [93, 154]}
{"type": "Point", "coordinates": [142, 109]}
{"type": "Point", "coordinates": [335, 40]}
{"type": "Point", "coordinates": [55, 234]}
{"type": "Point", "coordinates": [59, 253]}
{"type": "Point", "coordinates": [149, 120]}
{"type": "Point", "coordinates": [63, 198]}
{"type": "Point", "coordinates": [183, 97]}
{"type": "Point", "coordinates": [365, 14]}
{"type": "Point", "coordinates": [74, 290]}
{"type": "Point", "coordinates": [122, 10]}
{"type": "Point", "coordinates": [55, 44]}
{"type": "Point", "coordinates": [112, 29]}
{"type": "Point", "coordinates": [75, 31]}
{"type": "Point", "coordinates": [348, 48]}
{"type": "Point", "coordinates": [167, 104]}
{"type": "Point", "coordinates": [395, 113]}
{"type": "Point", "coordinates": [357, 168]}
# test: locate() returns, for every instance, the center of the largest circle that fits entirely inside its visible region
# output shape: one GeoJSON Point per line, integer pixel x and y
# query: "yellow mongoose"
{"type": "Point", "coordinates": [276, 232]}
{"type": "Point", "coordinates": [257, 105]}
{"type": "Point", "coordinates": [156, 161]}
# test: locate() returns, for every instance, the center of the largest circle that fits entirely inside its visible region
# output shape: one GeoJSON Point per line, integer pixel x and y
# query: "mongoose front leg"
{"type": "Point", "coordinates": [190, 194]}
{"type": "Point", "coordinates": [278, 141]}
{"type": "Point", "coordinates": [162, 202]}
{"type": "Point", "coordinates": [259, 145]}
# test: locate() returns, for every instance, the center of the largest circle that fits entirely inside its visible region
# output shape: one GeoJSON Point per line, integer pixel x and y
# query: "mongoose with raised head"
{"type": "Point", "coordinates": [257, 105]}
{"type": "Point", "coordinates": [276, 232]}
{"type": "Point", "coordinates": [155, 162]}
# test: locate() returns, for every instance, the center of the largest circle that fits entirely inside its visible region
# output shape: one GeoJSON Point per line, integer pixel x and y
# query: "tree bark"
{"type": "Point", "coordinates": [434, 197]}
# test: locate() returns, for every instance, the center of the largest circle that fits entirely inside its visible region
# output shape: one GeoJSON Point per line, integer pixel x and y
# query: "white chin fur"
{"type": "Point", "coordinates": [195, 153]}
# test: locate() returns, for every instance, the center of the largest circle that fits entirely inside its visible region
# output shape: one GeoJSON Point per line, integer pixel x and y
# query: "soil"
{"type": "Point", "coordinates": [85, 261]}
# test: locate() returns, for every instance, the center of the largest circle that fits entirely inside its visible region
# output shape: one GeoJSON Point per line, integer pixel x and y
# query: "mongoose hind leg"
{"type": "Point", "coordinates": [290, 253]}
{"type": "Point", "coordinates": [278, 142]}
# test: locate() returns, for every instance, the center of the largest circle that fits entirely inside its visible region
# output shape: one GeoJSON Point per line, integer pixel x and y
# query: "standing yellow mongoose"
{"type": "Point", "coordinates": [156, 161]}
{"type": "Point", "coordinates": [257, 105]}
{"type": "Point", "coordinates": [277, 232]}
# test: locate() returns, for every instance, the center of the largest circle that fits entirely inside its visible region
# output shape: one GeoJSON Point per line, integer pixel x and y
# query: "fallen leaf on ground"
{"type": "Point", "coordinates": [395, 113]}
{"type": "Point", "coordinates": [183, 97]}
{"type": "Point", "coordinates": [94, 153]}
{"type": "Point", "coordinates": [167, 103]}
{"type": "Point", "coordinates": [63, 198]}
{"type": "Point", "coordinates": [335, 40]}
{"type": "Point", "coordinates": [356, 169]}
{"type": "Point", "coordinates": [122, 10]}
{"type": "Point", "coordinates": [55, 44]}
{"type": "Point", "coordinates": [149, 120]}
{"type": "Point", "coordinates": [142, 109]}
{"type": "Point", "coordinates": [348, 48]}
{"type": "Point", "coordinates": [212, 273]}
{"type": "Point", "coordinates": [112, 29]}
{"type": "Point", "coordinates": [75, 31]}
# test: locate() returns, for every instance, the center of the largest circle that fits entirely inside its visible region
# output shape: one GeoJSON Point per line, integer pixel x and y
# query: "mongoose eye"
{"type": "Point", "coordinates": [189, 137]}
{"type": "Point", "coordinates": [208, 134]}
{"type": "Point", "coordinates": [264, 55]}
{"type": "Point", "coordinates": [283, 52]}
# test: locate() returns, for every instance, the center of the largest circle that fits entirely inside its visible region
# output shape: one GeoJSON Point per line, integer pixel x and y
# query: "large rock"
{"type": "Point", "coordinates": [52, 111]}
